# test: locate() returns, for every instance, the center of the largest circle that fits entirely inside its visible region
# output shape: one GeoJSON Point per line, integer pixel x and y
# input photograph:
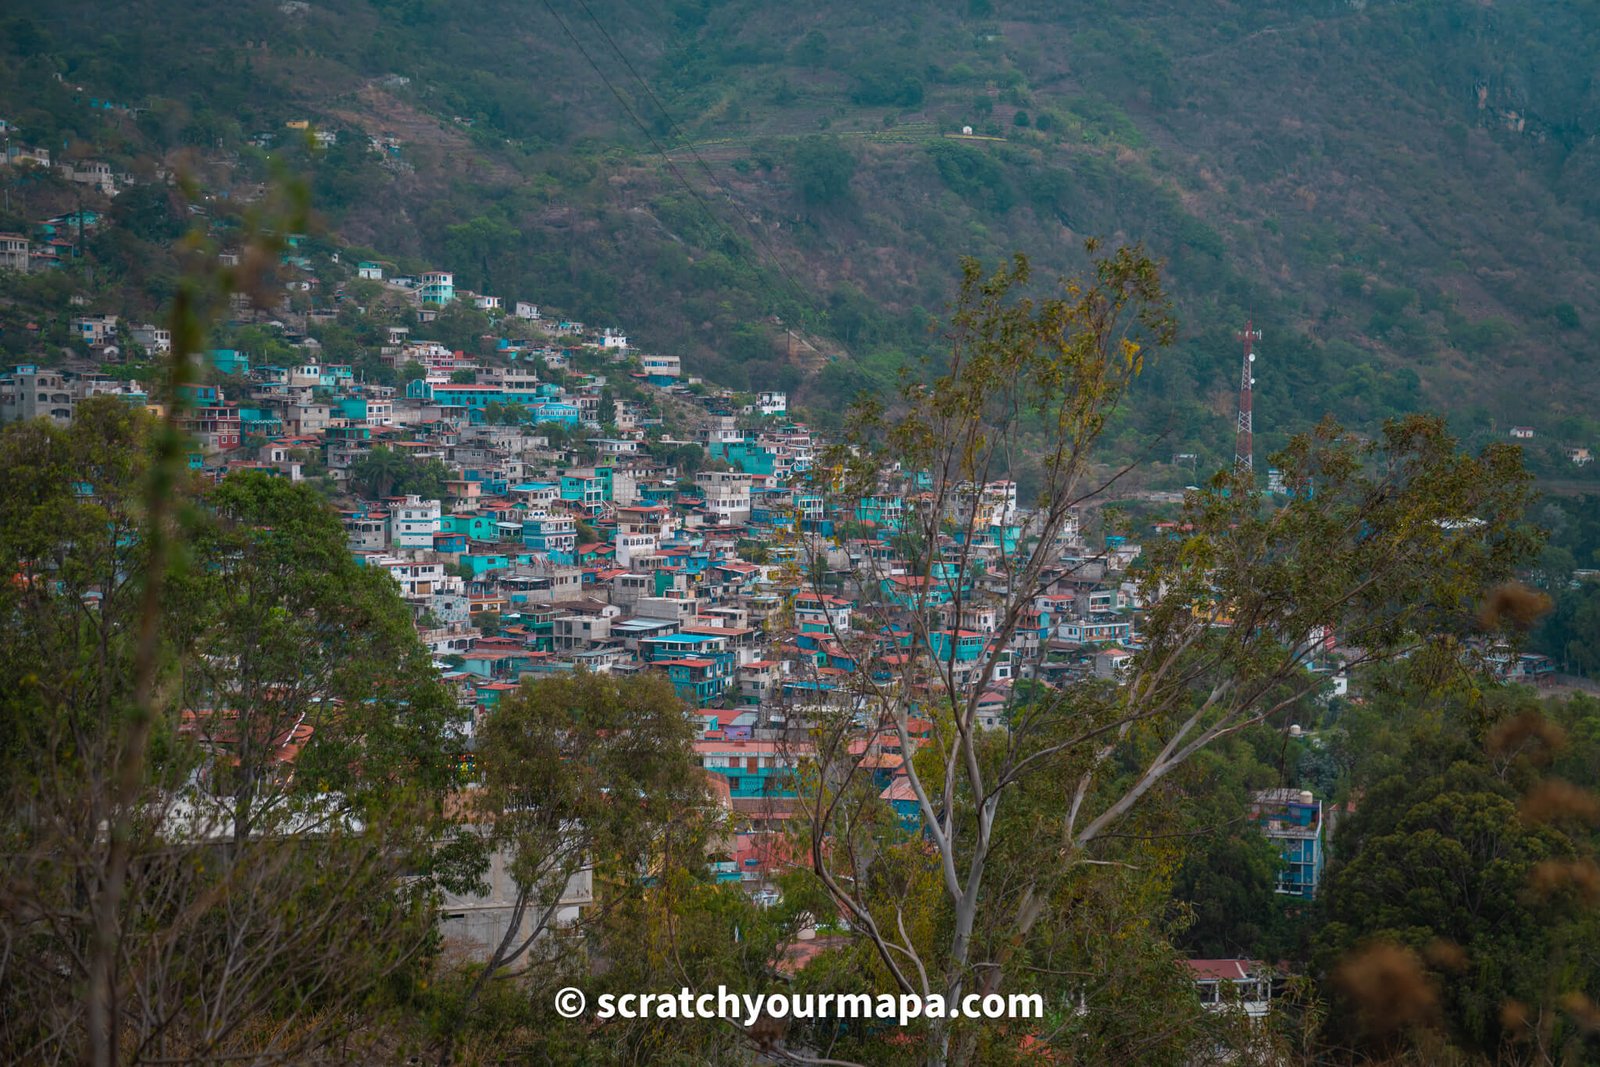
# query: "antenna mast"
{"type": "Point", "coordinates": [1244, 443]}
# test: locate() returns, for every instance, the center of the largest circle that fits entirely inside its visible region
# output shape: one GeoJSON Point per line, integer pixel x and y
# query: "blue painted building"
{"type": "Point", "coordinates": [1292, 820]}
{"type": "Point", "coordinates": [969, 645]}
{"type": "Point", "coordinates": [556, 536]}
{"type": "Point", "coordinates": [752, 768]}
{"type": "Point", "coordinates": [229, 361]}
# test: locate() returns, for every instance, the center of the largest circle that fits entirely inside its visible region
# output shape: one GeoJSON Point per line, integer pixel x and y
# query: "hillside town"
{"type": "Point", "coordinates": [561, 500]}
{"type": "Point", "coordinates": [570, 529]}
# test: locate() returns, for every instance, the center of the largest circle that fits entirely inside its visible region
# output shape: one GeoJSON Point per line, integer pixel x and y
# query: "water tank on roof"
{"type": "Point", "coordinates": [1306, 797]}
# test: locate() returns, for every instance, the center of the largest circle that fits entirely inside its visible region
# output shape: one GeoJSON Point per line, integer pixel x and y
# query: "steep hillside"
{"type": "Point", "coordinates": [1403, 195]}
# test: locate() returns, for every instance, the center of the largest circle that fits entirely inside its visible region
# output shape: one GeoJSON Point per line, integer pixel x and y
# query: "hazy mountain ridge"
{"type": "Point", "coordinates": [1401, 194]}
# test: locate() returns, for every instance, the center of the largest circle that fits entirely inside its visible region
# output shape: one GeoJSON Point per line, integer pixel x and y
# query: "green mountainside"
{"type": "Point", "coordinates": [1403, 195]}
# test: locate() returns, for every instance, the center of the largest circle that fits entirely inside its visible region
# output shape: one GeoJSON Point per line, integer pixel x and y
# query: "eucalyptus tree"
{"type": "Point", "coordinates": [1382, 545]}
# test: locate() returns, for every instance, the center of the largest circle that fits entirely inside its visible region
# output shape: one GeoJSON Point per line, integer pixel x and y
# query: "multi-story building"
{"type": "Point", "coordinates": [758, 681]}
{"type": "Point", "coordinates": [153, 338]}
{"type": "Point", "coordinates": [819, 613]}
{"type": "Point", "coordinates": [416, 577]}
{"type": "Point", "coordinates": [1225, 985]}
{"type": "Point", "coordinates": [438, 287]}
{"type": "Point", "coordinates": [727, 495]}
{"type": "Point", "coordinates": [92, 172]}
{"type": "Point", "coordinates": [216, 427]}
{"type": "Point", "coordinates": [306, 420]}
{"type": "Point", "coordinates": [13, 252]}
{"type": "Point", "coordinates": [752, 768]}
{"type": "Point", "coordinates": [587, 487]}
{"type": "Point", "coordinates": [366, 531]}
{"type": "Point", "coordinates": [553, 534]}
{"type": "Point", "coordinates": [1292, 820]}
{"type": "Point", "coordinates": [94, 329]}
{"type": "Point", "coordinates": [578, 631]}
{"type": "Point", "coordinates": [1096, 629]}
{"type": "Point", "coordinates": [415, 523]}
{"type": "Point", "coordinates": [30, 392]}
{"type": "Point", "coordinates": [662, 370]}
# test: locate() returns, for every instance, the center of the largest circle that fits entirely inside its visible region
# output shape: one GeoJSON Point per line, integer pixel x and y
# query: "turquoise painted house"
{"type": "Point", "coordinates": [589, 491]}
{"type": "Point", "coordinates": [752, 768]}
{"type": "Point", "coordinates": [482, 563]}
{"type": "Point", "coordinates": [476, 527]}
{"type": "Point", "coordinates": [229, 361]}
{"type": "Point", "coordinates": [969, 645]}
{"type": "Point", "coordinates": [886, 511]}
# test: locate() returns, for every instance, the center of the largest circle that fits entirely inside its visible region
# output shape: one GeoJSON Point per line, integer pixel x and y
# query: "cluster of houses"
{"type": "Point", "coordinates": [550, 552]}
{"type": "Point", "coordinates": [53, 241]}
{"type": "Point", "coordinates": [1577, 455]}
{"type": "Point", "coordinates": [92, 173]}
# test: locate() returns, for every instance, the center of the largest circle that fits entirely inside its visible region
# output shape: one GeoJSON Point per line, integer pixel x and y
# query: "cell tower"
{"type": "Point", "coordinates": [1244, 445]}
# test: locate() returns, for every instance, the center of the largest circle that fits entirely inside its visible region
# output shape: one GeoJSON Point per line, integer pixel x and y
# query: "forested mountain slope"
{"type": "Point", "coordinates": [1403, 195]}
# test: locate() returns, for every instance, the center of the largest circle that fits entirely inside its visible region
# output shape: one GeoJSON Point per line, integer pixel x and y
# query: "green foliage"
{"type": "Point", "coordinates": [281, 598]}
{"type": "Point", "coordinates": [488, 175]}
{"type": "Point", "coordinates": [1227, 880]}
{"type": "Point", "coordinates": [1440, 855]}
{"type": "Point", "coordinates": [385, 472]}
{"type": "Point", "coordinates": [477, 248]}
{"type": "Point", "coordinates": [281, 688]}
{"type": "Point", "coordinates": [822, 168]}
{"type": "Point", "coordinates": [556, 758]}
{"type": "Point", "coordinates": [973, 175]}
{"type": "Point", "coordinates": [881, 86]}
{"type": "Point", "coordinates": [460, 326]}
